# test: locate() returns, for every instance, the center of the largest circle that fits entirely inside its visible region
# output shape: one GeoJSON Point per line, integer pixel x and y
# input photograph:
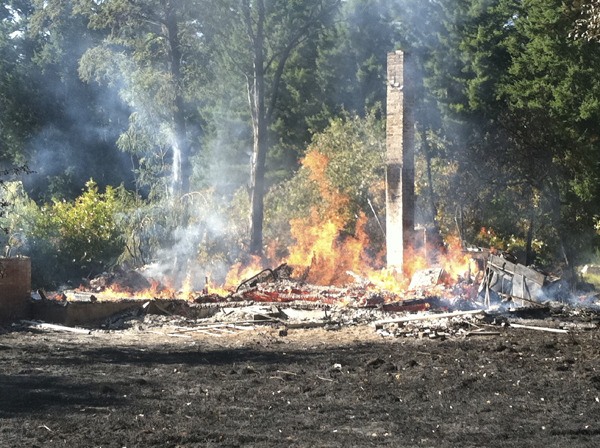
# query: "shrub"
{"type": "Point", "coordinates": [71, 239]}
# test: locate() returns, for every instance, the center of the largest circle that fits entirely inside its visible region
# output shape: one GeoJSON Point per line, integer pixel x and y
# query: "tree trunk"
{"type": "Point", "coordinates": [435, 237]}
{"type": "Point", "coordinates": [259, 128]}
{"type": "Point", "coordinates": [257, 185]}
{"type": "Point", "coordinates": [181, 149]}
{"type": "Point", "coordinates": [529, 255]}
{"type": "Point", "coordinates": [262, 113]}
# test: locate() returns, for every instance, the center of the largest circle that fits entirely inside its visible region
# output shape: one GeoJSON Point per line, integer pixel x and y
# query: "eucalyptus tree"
{"type": "Point", "coordinates": [154, 54]}
{"type": "Point", "coordinates": [256, 39]}
{"type": "Point", "coordinates": [64, 128]}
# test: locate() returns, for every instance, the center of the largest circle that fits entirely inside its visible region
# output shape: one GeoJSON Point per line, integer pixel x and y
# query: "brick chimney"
{"type": "Point", "coordinates": [400, 166]}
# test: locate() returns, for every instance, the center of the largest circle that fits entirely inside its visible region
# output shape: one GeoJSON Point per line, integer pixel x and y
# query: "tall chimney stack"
{"type": "Point", "coordinates": [400, 166]}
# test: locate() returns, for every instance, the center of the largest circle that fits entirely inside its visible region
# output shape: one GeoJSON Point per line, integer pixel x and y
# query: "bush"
{"type": "Point", "coordinates": [15, 218]}
{"type": "Point", "coordinates": [6, 182]}
{"type": "Point", "coordinates": [70, 240]}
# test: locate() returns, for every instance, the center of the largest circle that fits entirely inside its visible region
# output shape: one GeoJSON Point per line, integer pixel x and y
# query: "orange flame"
{"type": "Point", "coordinates": [156, 290]}
{"type": "Point", "coordinates": [240, 272]}
{"type": "Point", "coordinates": [325, 252]}
{"type": "Point", "coordinates": [323, 249]}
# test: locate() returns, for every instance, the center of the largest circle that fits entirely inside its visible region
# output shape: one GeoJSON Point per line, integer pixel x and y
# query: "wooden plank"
{"type": "Point", "coordinates": [241, 325]}
{"type": "Point", "coordinates": [502, 263]}
{"type": "Point", "coordinates": [482, 333]}
{"type": "Point", "coordinates": [208, 332]}
{"type": "Point", "coordinates": [530, 274]}
{"type": "Point", "coordinates": [309, 324]}
{"type": "Point", "coordinates": [224, 330]}
{"type": "Point", "coordinates": [532, 327]}
{"type": "Point", "coordinates": [518, 287]}
{"type": "Point", "coordinates": [429, 316]}
{"type": "Point", "coordinates": [46, 326]}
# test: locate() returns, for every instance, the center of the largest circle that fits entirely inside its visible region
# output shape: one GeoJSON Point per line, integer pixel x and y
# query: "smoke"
{"type": "Point", "coordinates": [76, 141]}
{"type": "Point", "coordinates": [203, 249]}
{"type": "Point", "coordinates": [175, 165]}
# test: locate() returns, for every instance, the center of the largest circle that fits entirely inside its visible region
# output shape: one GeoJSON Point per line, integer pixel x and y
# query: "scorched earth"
{"type": "Point", "coordinates": [310, 387]}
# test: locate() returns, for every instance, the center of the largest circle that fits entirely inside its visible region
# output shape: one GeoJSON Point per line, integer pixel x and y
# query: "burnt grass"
{"type": "Point", "coordinates": [311, 388]}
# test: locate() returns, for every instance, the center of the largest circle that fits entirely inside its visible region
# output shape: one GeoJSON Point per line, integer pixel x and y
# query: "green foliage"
{"type": "Point", "coordinates": [18, 111]}
{"type": "Point", "coordinates": [10, 193]}
{"type": "Point", "coordinates": [221, 225]}
{"type": "Point", "coordinates": [212, 240]}
{"type": "Point", "coordinates": [593, 279]}
{"type": "Point", "coordinates": [352, 55]}
{"type": "Point", "coordinates": [508, 120]}
{"type": "Point", "coordinates": [155, 55]}
{"type": "Point", "coordinates": [516, 148]}
{"type": "Point", "coordinates": [65, 239]}
{"type": "Point", "coordinates": [340, 70]}
{"type": "Point", "coordinates": [353, 148]}
{"type": "Point", "coordinates": [587, 26]}
{"type": "Point", "coordinates": [13, 229]}
{"type": "Point", "coordinates": [70, 239]}
{"type": "Point", "coordinates": [48, 116]}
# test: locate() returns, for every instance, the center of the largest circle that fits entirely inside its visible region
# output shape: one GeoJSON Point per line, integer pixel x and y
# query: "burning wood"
{"type": "Point", "coordinates": [266, 275]}
{"type": "Point", "coordinates": [426, 278]}
{"type": "Point", "coordinates": [457, 284]}
{"type": "Point", "coordinates": [278, 286]}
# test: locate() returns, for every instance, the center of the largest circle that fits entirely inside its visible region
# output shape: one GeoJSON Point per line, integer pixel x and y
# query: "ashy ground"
{"type": "Point", "coordinates": [309, 388]}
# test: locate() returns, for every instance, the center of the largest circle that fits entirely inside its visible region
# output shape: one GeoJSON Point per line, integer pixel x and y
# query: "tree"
{"type": "Point", "coordinates": [5, 176]}
{"type": "Point", "coordinates": [257, 39]}
{"type": "Point", "coordinates": [520, 120]}
{"type": "Point", "coordinates": [352, 58]}
{"type": "Point", "coordinates": [153, 50]}
{"type": "Point", "coordinates": [554, 79]}
{"type": "Point", "coordinates": [17, 89]}
{"type": "Point", "coordinates": [340, 70]}
{"type": "Point", "coordinates": [587, 27]}
{"type": "Point", "coordinates": [49, 117]}
{"type": "Point", "coordinates": [327, 212]}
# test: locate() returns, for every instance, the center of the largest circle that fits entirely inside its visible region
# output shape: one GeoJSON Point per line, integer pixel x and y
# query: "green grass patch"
{"type": "Point", "coordinates": [594, 279]}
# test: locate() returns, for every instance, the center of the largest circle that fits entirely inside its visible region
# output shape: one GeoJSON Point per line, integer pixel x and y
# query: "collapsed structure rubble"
{"type": "Point", "coordinates": [505, 279]}
{"type": "Point", "coordinates": [432, 306]}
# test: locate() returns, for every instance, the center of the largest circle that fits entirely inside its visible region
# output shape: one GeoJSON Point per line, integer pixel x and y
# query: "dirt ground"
{"type": "Point", "coordinates": [309, 388]}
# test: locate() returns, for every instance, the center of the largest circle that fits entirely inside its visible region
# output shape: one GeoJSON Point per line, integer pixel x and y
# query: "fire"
{"type": "Point", "coordinates": [388, 280]}
{"type": "Point", "coordinates": [117, 291]}
{"type": "Point", "coordinates": [240, 272]}
{"type": "Point", "coordinates": [455, 261]}
{"type": "Point", "coordinates": [326, 252]}
{"type": "Point", "coordinates": [323, 250]}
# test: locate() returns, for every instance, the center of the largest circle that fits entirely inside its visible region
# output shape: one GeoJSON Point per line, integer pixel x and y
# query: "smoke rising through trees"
{"type": "Point", "coordinates": [154, 95]}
